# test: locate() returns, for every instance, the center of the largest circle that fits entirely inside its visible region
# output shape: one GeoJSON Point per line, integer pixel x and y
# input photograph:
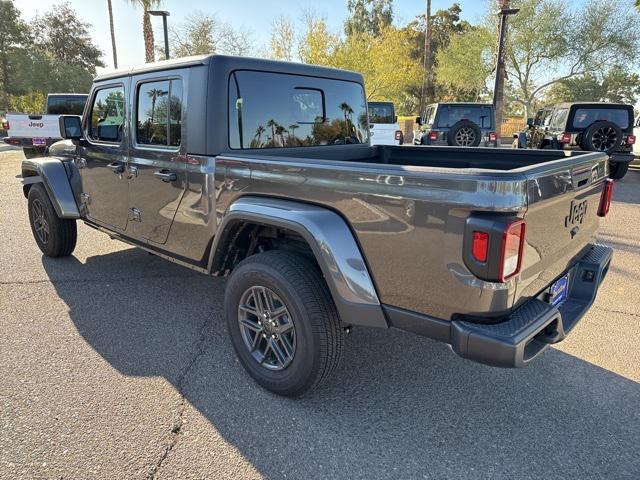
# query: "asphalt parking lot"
{"type": "Point", "coordinates": [116, 364]}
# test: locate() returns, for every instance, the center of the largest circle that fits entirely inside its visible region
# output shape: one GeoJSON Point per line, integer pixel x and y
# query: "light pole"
{"type": "Point", "coordinates": [498, 88]}
{"type": "Point", "coordinates": [164, 14]}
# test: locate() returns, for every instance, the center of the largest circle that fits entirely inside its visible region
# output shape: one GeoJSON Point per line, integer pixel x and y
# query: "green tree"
{"type": "Point", "coordinates": [464, 65]}
{"type": "Point", "coordinates": [316, 44]}
{"type": "Point", "coordinates": [63, 56]}
{"type": "Point", "coordinates": [617, 85]}
{"type": "Point", "coordinates": [147, 30]}
{"type": "Point", "coordinates": [368, 16]}
{"type": "Point", "coordinates": [14, 38]}
{"type": "Point", "coordinates": [551, 43]}
{"type": "Point", "coordinates": [282, 39]}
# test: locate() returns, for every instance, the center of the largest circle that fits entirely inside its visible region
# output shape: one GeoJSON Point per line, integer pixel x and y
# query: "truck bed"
{"type": "Point", "coordinates": [408, 208]}
{"type": "Point", "coordinates": [433, 156]}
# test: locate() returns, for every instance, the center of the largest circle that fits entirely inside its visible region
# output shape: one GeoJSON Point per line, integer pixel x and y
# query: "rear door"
{"type": "Point", "coordinates": [157, 168]}
{"type": "Point", "coordinates": [102, 159]}
{"type": "Point", "coordinates": [382, 123]}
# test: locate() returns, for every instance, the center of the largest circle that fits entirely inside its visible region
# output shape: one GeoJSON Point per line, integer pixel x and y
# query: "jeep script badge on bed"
{"type": "Point", "coordinates": [577, 212]}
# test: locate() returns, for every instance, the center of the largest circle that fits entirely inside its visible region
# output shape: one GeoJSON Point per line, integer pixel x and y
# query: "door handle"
{"type": "Point", "coordinates": [166, 175]}
{"type": "Point", "coordinates": [116, 167]}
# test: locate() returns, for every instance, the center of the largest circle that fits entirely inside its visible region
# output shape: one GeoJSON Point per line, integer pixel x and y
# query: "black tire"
{"type": "Point", "coordinates": [464, 134]}
{"type": "Point", "coordinates": [602, 136]}
{"type": "Point", "coordinates": [617, 170]}
{"type": "Point", "coordinates": [56, 237]}
{"type": "Point", "coordinates": [318, 331]}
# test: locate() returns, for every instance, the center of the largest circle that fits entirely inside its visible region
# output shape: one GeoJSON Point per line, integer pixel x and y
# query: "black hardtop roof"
{"type": "Point", "coordinates": [229, 63]}
{"type": "Point", "coordinates": [68, 94]}
{"type": "Point", "coordinates": [380, 103]}
{"type": "Point", "coordinates": [583, 104]}
{"type": "Point", "coordinates": [462, 104]}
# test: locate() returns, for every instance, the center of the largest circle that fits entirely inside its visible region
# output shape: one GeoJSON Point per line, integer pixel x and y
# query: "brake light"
{"type": "Point", "coordinates": [605, 198]}
{"type": "Point", "coordinates": [480, 246]}
{"type": "Point", "coordinates": [511, 250]}
{"type": "Point", "coordinates": [631, 139]}
{"type": "Point", "coordinates": [566, 138]}
{"type": "Point", "coordinates": [399, 135]}
{"type": "Point", "coordinates": [493, 137]}
{"type": "Point", "coordinates": [5, 125]}
{"type": "Point", "coordinates": [433, 135]}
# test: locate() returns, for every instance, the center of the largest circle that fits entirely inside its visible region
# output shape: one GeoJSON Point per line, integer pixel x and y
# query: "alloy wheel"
{"type": "Point", "coordinates": [604, 138]}
{"type": "Point", "coordinates": [40, 223]}
{"type": "Point", "coordinates": [465, 137]}
{"type": "Point", "coordinates": [267, 328]}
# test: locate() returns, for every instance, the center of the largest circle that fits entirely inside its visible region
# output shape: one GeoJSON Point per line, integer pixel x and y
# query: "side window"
{"type": "Point", "coordinates": [107, 115]}
{"type": "Point", "coordinates": [159, 113]}
{"type": "Point", "coordinates": [560, 118]}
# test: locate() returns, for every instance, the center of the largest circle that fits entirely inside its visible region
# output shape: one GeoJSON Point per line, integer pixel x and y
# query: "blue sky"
{"type": "Point", "coordinates": [255, 15]}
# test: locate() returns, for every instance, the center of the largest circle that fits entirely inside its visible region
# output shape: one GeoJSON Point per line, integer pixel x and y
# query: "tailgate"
{"type": "Point", "coordinates": [562, 198]}
{"type": "Point", "coordinates": [30, 126]}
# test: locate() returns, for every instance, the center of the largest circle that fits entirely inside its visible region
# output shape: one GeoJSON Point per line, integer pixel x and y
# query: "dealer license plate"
{"type": "Point", "coordinates": [558, 291]}
{"type": "Point", "coordinates": [39, 141]}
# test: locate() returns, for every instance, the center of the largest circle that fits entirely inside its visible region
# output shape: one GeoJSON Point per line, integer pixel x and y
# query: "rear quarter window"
{"type": "Point", "coordinates": [274, 110]}
{"type": "Point", "coordinates": [586, 116]}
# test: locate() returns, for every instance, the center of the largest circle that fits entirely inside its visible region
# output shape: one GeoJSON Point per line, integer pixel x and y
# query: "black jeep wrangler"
{"type": "Point", "coordinates": [590, 126]}
{"type": "Point", "coordinates": [457, 125]}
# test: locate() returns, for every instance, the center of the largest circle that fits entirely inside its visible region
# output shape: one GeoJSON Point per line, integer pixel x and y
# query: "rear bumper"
{"type": "Point", "coordinates": [26, 142]}
{"type": "Point", "coordinates": [531, 328]}
{"type": "Point", "coordinates": [621, 157]}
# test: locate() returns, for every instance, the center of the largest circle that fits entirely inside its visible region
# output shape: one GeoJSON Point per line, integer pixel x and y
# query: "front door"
{"type": "Point", "coordinates": [102, 159]}
{"type": "Point", "coordinates": [157, 169]}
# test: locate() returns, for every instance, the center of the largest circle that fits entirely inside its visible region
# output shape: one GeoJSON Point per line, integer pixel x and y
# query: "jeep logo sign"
{"type": "Point", "coordinates": [577, 212]}
{"type": "Point", "coordinates": [36, 124]}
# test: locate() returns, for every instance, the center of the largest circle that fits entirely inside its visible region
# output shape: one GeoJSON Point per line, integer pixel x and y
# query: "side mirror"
{"type": "Point", "coordinates": [70, 127]}
{"type": "Point", "coordinates": [530, 122]}
{"type": "Point", "coordinates": [419, 120]}
{"type": "Point", "coordinates": [395, 119]}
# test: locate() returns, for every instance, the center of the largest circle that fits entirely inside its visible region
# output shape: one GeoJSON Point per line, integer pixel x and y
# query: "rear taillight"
{"type": "Point", "coordinates": [399, 135]}
{"type": "Point", "coordinates": [480, 246]}
{"type": "Point", "coordinates": [5, 125]}
{"type": "Point", "coordinates": [605, 198]}
{"type": "Point", "coordinates": [433, 136]}
{"type": "Point", "coordinates": [511, 250]}
{"type": "Point", "coordinates": [631, 139]}
{"type": "Point", "coordinates": [493, 137]}
{"type": "Point", "coordinates": [566, 138]}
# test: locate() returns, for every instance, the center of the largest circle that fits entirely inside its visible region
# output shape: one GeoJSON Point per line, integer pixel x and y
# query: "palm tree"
{"type": "Point", "coordinates": [292, 134]}
{"type": "Point", "coordinates": [259, 131]}
{"type": "Point", "coordinates": [273, 124]}
{"type": "Point", "coordinates": [347, 111]}
{"type": "Point", "coordinates": [280, 131]}
{"type": "Point", "coordinates": [147, 31]}
{"type": "Point", "coordinates": [113, 36]}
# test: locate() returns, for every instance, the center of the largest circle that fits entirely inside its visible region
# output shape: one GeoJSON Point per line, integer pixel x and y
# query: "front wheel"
{"type": "Point", "coordinates": [617, 170]}
{"type": "Point", "coordinates": [55, 236]}
{"type": "Point", "coordinates": [282, 322]}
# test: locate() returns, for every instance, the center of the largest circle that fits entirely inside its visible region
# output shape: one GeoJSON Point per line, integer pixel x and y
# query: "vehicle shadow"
{"type": "Point", "coordinates": [400, 406]}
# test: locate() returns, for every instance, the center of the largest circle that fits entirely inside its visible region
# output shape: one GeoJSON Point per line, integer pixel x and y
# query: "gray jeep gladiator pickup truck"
{"type": "Point", "coordinates": [263, 172]}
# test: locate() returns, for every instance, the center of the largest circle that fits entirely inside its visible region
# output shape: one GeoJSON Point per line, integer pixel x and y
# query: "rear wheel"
{"type": "Point", "coordinates": [56, 237]}
{"type": "Point", "coordinates": [283, 323]}
{"type": "Point", "coordinates": [617, 170]}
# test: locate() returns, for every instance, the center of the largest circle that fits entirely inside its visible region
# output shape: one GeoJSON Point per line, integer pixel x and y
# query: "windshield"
{"type": "Point", "coordinates": [448, 115]}
{"type": "Point", "coordinates": [381, 113]}
{"type": "Point", "coordinates": [66, 105]}
{"type": "Point", "coordinates": [274, 110]}
{"type": "Point", "coordinates": [586, 116]}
